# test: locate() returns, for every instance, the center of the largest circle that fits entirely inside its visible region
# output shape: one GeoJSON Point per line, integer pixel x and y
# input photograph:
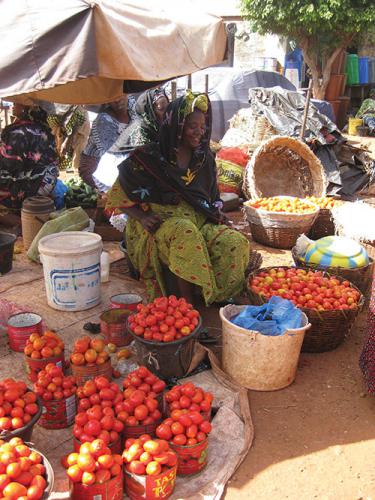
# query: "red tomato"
{"type": "Point", "coordinates": [177, 428]}
{"type": "Point", "coordinates": [163, 431]}
{"type": "Point", "coordinates": [180, 439]}
{"type": "Point", "coordinates": [153, 468]}
{"type": "Point", "coordinates": [141, 412]}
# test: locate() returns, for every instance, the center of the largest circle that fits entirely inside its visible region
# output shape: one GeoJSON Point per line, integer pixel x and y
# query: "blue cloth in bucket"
{"type": "Point", "coordinates": [272, 318]}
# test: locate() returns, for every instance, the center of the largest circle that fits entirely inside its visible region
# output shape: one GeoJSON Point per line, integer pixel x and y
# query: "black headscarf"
{"type": "Point", "coordinates": [151, 173]}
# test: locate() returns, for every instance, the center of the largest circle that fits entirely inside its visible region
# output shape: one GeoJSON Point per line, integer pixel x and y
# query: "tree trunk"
{"type": "Point", "coordinates": [320, 75]}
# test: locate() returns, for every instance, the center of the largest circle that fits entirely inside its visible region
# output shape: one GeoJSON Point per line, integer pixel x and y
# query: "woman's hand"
{"type": "Point", "coordinates": [151, 222]}
{"type": "Point", "coordinates": [224, 220]}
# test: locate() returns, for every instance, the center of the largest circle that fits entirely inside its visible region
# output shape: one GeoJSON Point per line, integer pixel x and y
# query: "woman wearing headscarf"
{"type": "Point", "coordinates": [28, 157]}
{"type": "Point", "coordinates": [106, 131]}
{"type": "Point", "coordinates": [149, 108]}
{"type": "Point", "coordinates": [169, 192]}
{"type": "Point", "coordinates": [367, 112]}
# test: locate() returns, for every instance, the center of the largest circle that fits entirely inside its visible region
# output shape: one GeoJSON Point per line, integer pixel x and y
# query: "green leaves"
{"type": "Point", "coordinates": [332, 20]}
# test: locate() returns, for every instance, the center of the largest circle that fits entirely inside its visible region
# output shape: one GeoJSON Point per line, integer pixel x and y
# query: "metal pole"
{"type": "Point", "coordinates": [189, 85]}
{"type": "Point", "coordinates": [174, 90]}
{"type": "Point", "coordinates": [305, 113]}
{"type": "Point", "coordinates": [206, 83]}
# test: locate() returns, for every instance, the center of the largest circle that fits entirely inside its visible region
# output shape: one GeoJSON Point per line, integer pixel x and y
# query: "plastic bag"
{"type": "Point", "coordinates": [272, 318]}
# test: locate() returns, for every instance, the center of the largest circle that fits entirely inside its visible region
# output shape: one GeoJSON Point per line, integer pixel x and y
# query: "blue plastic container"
{"type": "Point", "coordinates": [363, 70]}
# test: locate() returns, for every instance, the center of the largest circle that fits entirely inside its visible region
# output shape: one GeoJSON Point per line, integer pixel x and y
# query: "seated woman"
{"type": "Point", "coordinates": [143, 129]}
{"type": "Point", "coordinates": [150, 109]}
{"type": "Point", "coordinates": [367, 112]}
{"type": "Point", "coordinates": [108, 126]}
{"type": "Point", "coordinates": [28, 158]}
{"type": "Point", "coordinates": [169, 191]}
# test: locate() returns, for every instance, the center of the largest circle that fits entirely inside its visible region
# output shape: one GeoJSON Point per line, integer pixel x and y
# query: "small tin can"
{"type": "Point", "coordinates": [113, 327]}
{"type": "Point", "coordinates": [20, 326]}
{"type": "Point", "coordinates": [125, 301]}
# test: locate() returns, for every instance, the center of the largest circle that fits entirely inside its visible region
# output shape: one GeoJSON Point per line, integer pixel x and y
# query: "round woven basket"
{"type": "Point", "coordinates": [361, 277]}
{"type": "Point", "coordinates": [278, 229]}
{"type": "Point", "coordinates": [284, 166]}
{"type": "Point", "coordinates": [323, 225]}
{"type": "Point", "coordinates": [328, 328]}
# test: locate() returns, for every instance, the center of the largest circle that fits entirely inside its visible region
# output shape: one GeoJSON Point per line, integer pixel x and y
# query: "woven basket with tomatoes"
{"type": "Point", "coordinates": [279, 220]}
{"type": "Point", "coordinates": [330, 302]}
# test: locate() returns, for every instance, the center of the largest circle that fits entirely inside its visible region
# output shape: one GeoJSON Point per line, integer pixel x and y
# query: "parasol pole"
{"type": "Point", "coordinates": [306, 110]}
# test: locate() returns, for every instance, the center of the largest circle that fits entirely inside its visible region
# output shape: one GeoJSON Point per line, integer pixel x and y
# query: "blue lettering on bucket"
{"type": "Point", "coordinates": [68, 285]}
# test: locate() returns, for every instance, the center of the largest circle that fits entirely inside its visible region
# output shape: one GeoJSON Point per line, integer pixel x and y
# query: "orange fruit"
{"type": "Point", "coordinates": [88, 478]}
{"type": "Point", "coordinates": [77, 359]}
{"type": "Point", "coordinates": [13, 491]}
{"type": "Point", "coordinates": [97, 344]}
{"type": "Point", "coordinates": [74, 473]}
{"type": "Point", "coordinates": [91, 355]}
{"type": "Point", "coordinates": [86, 463]}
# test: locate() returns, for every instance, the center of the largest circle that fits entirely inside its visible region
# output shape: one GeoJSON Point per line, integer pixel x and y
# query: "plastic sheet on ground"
{"type": "Point", "coordinates": [229, 441]}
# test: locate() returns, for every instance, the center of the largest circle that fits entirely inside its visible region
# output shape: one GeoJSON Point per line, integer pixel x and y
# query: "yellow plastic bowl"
{"type": "Point", "coordinates": [336, 251]}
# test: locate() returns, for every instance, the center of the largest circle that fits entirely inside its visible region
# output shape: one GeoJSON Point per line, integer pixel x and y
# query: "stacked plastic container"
{"type": "Point", "coordinates": [352, 69]}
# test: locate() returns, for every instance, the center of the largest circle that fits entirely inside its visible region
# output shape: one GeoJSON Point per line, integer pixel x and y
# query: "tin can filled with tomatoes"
{"type": "Point", "coordinates": [20, 326]}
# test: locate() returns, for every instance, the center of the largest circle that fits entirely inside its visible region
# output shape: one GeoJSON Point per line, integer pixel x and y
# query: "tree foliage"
{"type": "Point", "coordinates": [320, 27]}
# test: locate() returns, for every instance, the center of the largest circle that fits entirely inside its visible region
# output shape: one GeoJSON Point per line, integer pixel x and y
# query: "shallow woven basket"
{"type": "Point", "coordinates": [278, 229]}
{"type": "Point", "coordinates": [361, 277]}
{"type": "Point", "coordinates": [323, 225]}
{"type": "Point", "coordinates": [284, 166]}
{"type": "Point", "coordinates": [328, 328]}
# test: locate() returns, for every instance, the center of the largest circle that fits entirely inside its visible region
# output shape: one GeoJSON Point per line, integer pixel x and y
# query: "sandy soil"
{"type": "Point", "coordinates": [314, 439]}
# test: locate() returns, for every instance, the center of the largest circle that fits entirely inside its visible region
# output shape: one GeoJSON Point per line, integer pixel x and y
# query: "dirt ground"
{"type": "Point", "coordinates": [314, 439]}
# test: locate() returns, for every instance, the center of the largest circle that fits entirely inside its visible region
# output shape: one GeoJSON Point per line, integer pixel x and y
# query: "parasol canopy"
{"type": "Point", "coordinates": [90, 52]}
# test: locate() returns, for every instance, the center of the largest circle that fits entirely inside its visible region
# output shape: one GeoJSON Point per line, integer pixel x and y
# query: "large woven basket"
{"type": "Point", "coordinates": [361, 277]}
{"type": "Point", "coordinates": [278, 229]}
{"type": "Point", "coordinates": [328, 328]}
{"type": "Point", "coordinates": [323, 225]}
{"type": "Point", "coordinates": [284, 166]}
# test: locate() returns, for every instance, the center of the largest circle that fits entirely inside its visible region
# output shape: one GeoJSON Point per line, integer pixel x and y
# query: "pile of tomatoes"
{"type": "Point", "coordinates": [96, 417]}
{"type": "Point", "coordinates": [18, 405]}
{"type": "Point", "coordinates": [48, 345]}
{"type": "Point", "coordinates": [324, 202]}
{"type": "Point", "coordinates": [189, 397]}
{"type": "Point", "coordinates": [309, 289]}
{"type": "Point", "coordinates": [164, 320]}
{"type": "Point", "coordinates": [52, 385]}
{"type": "Point", "coordinates": [140, 406]}
{"type": "Point", "coordinates": [288, 204]}
{"type": "Point", "coordinates": [184, 428]}
{"type": "Point", "coordinates": [143, 380]}
{"type": "Point", "coordinates": [22, 473]}
{"type": "Point", "coordinates": [87, 351]}
{"type": "Point", "coordinates": [148, 456]}
{"type": "Point", "coordinates": [94, 464]}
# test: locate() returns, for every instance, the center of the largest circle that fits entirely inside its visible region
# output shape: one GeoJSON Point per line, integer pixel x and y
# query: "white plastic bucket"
{"type": "Point", "coordinates": [71, 265]}
{"type": "Point", "coordinates": [256, 361]}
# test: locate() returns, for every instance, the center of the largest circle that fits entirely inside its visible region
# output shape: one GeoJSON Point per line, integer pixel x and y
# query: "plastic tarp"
{"type": "Point", "coordinates": [284, 110]}
{"type": "Point", "coordinates": [228, 90]}
{"type": "Point", "coordinates": [273, 318]}
{"type": "Point", "coordinates": [85, 51]}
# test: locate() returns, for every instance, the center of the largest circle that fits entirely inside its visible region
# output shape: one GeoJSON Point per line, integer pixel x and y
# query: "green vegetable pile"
{"type": "Point", "coordinates": [80, 194]}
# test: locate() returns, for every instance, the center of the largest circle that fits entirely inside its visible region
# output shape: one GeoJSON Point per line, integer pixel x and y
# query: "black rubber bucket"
{"type": "Point", "coordinates": [6, 251]}
{"type": "Point", "coordinates": [167, 359]}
